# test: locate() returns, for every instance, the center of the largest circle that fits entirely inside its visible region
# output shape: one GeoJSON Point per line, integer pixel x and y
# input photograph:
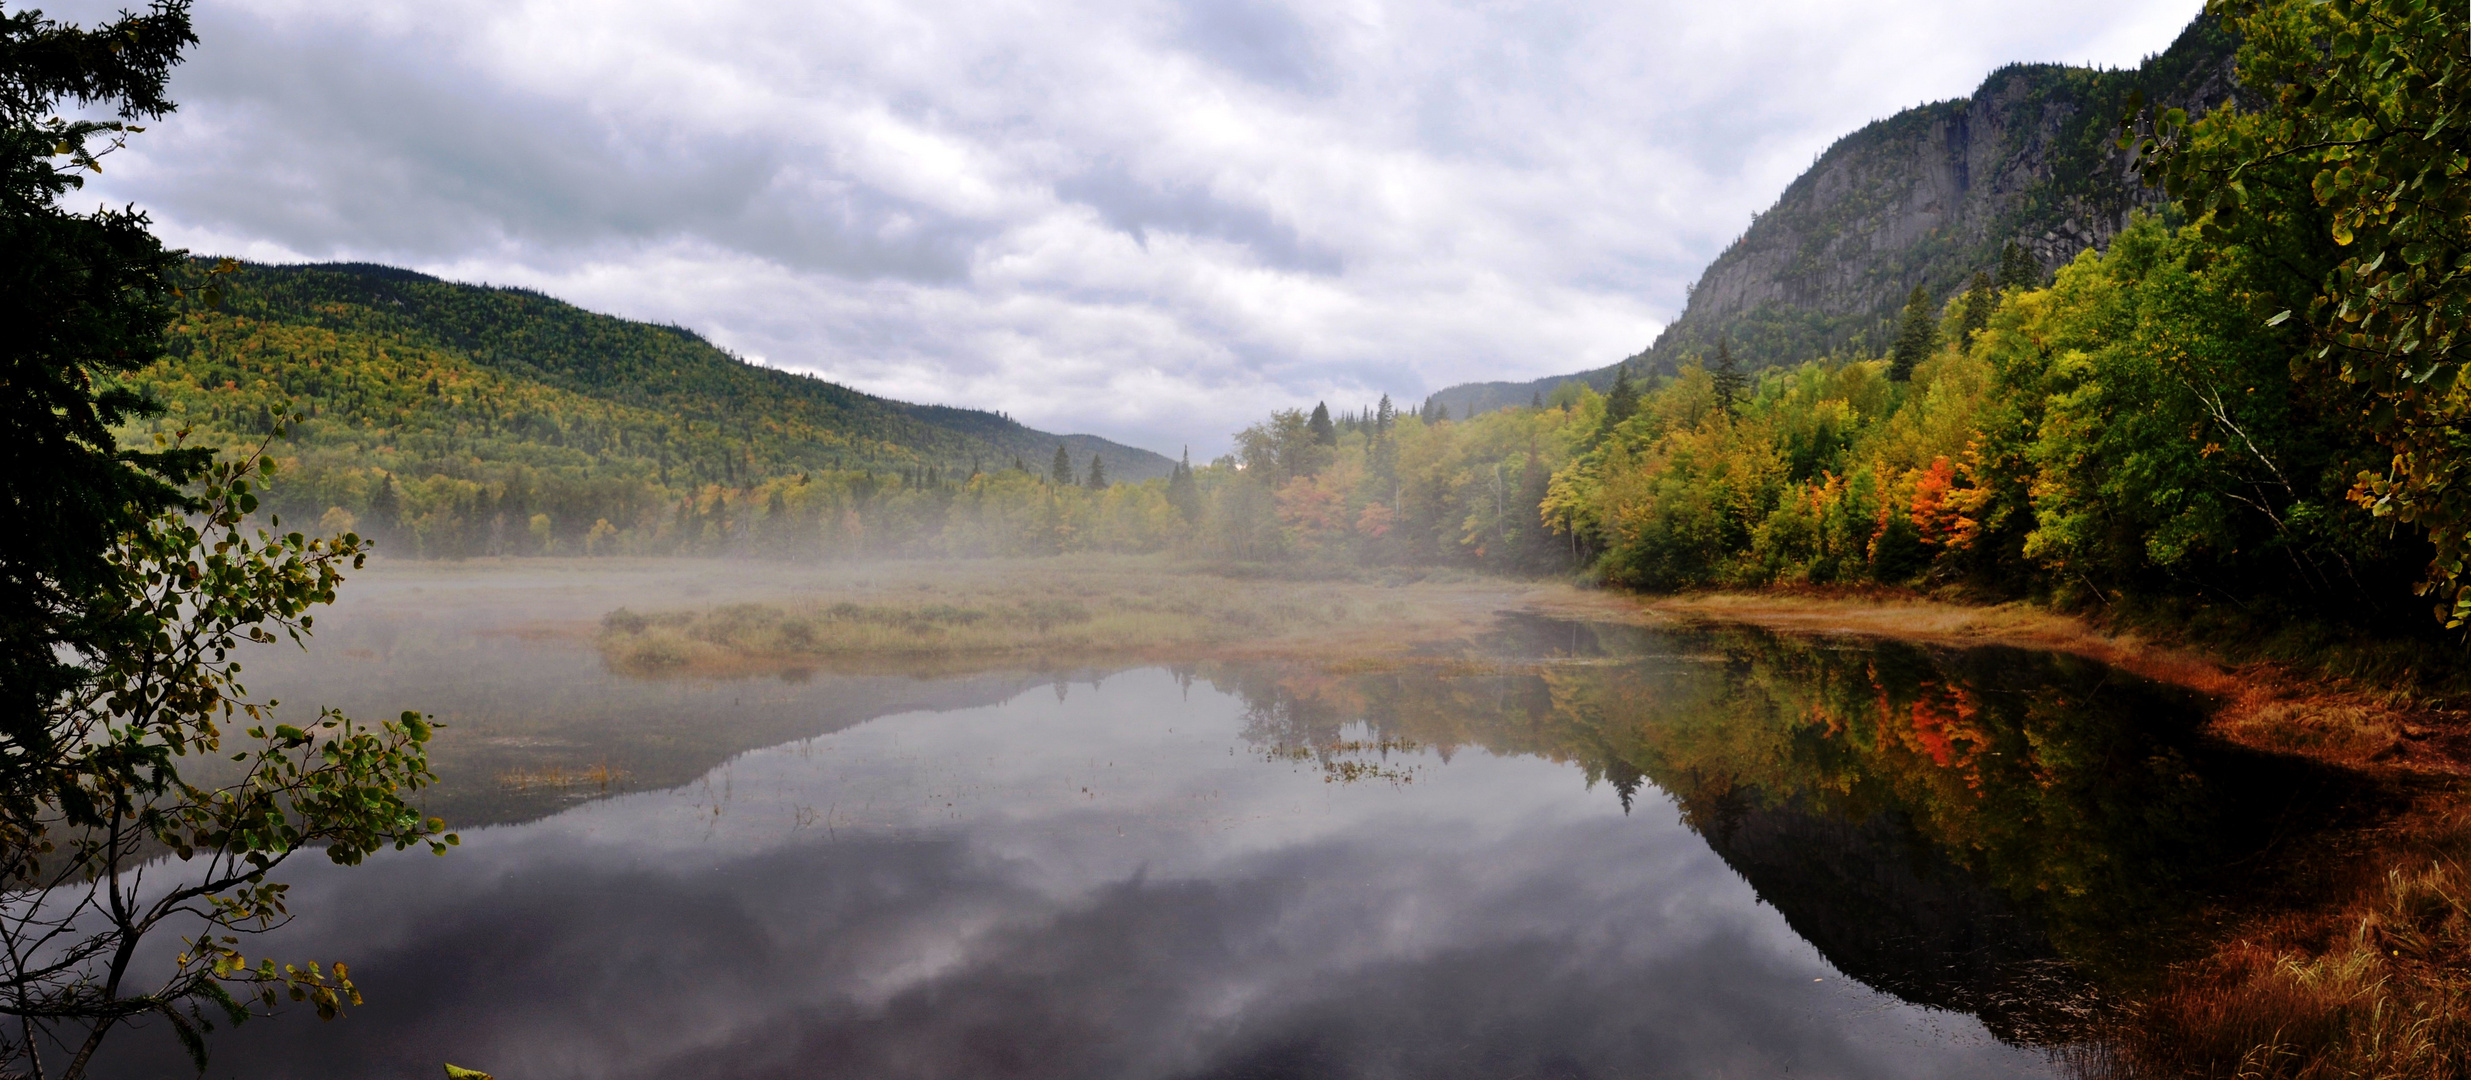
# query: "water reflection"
{"type": "Point", "coordinates": [1570, 850]}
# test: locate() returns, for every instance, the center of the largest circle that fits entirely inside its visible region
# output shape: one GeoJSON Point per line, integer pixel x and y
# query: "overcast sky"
{"type": "Point", "coordinates": [1152, 221]}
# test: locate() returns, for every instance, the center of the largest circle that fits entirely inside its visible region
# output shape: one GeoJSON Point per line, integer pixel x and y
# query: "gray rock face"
{"type": "Point", "coordinates": [1926, 197]}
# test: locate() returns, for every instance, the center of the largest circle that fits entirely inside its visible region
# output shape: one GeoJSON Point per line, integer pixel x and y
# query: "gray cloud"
{"type": "Point", "coordinates": [1153, 220]}
{"type": "Point", "coordinates": [1261, 40]}
{"type": "Point", "coordinates": [1137, 208]}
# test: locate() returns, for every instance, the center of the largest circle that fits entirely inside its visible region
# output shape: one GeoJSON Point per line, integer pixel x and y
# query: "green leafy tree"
{"type": "Point", "coordinates": [2362, 108]}
{"type": "Point", "coordinates": [160, 749]}
{"type": "Point", "coordinates": [1916, 336]}
{"type": "Point", "coordinates": [1060, 470]}
{"type": "Point", "coordinates": [84, 298]}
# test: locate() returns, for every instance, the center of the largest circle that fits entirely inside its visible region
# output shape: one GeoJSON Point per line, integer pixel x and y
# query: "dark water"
{"type": "Point", "coordinates": [1562, 851]}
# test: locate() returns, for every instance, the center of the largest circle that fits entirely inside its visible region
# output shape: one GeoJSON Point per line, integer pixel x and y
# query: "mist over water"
{"type": "Point", "coordinates": [1214, 870]}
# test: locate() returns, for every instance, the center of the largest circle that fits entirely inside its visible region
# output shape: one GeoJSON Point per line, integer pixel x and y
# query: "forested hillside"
{"type": "Point", "coordinates": [453, 418]}
{"type": "Point", "coordinates": [1923, 199]}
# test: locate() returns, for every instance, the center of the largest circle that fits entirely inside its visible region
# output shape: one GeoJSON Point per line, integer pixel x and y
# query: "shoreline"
{"type": "Point", "coordinates": [2263, 705]}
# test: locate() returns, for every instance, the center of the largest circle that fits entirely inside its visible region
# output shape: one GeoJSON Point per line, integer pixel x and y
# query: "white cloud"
{"type": "Point", "coordinates": [1152, 221]}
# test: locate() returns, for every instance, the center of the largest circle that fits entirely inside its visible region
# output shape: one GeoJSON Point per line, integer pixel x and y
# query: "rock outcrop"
{"type": "Point", "coordinates": [1927, 197]}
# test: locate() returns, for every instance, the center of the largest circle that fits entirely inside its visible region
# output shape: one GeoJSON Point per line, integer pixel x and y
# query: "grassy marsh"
{"type": "Point", "coordinates": [1062, 610]}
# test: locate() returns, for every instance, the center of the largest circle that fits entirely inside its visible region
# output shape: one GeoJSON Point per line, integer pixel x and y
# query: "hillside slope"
{"type": "Point", "coordinates": [473, 409]}
{"type": "Point", "coordinates": [1927, 197]}
{"type": "Point", "coordinates": [778, 421]}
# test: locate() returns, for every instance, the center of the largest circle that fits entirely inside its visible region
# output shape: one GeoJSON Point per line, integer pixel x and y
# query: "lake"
{"type": "Point", "coordinates": [1557, 849]}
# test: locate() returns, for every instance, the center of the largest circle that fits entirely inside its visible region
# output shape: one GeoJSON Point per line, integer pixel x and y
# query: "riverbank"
{"type": "Point", "coordinates": [2273, 705]}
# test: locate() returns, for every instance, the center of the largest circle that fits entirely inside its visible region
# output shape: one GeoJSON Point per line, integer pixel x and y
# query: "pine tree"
{"type": "Point", "coordinates": [1061, 470]}
{"type": "Point", "coordinates": [2017, 268]}
{"type": "Point", "coordinates": [1384, 415]}
{"type": "Point", "coordinates": [1980, 299]}
{"type": "Point", "coordinates": [1536, 401]}
{"type": "Point", "coordinates": [1916, 338]}
{"type": "Point", "coordinates": [1097, 478]}
{"type": "Point", "coordinates": [1730, 382]}
{"type": "Point", "coordinates": [1622, 400]}
{"type": "Point", "coordinates": [1319, 426]}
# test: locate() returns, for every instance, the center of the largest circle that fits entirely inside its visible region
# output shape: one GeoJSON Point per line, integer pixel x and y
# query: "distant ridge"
{"type": "Point", "coordinates": [1925, 197]}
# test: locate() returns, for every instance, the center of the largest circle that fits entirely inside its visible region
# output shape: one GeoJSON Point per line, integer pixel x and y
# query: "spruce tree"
{"type": "Point", "coordinates": [1324, 434]}
{"type": "Point", "coordinates": [1061, 470]}
{"type": "Point", "coordinates": [1536, 401]}
{"type": "Point", "coordinates": [1097, 478]}
{"type": "Point", "coordinates": [1384, 415]}
{"type": "Point", "coordinates": [1622, 400]}
{"type": "Point", "coordinates": [87, 300]}
{"type": "Point", "coordinates": [2017, 268]}
{"type": "Point", "coordinates": [1980, 299]}
{"type": "Point", "coordinates": [1916, 338]}
{"type": "Point", "coordinates": [1730, 382]}
{"type": "Point", "coordinates": [1183, 492]}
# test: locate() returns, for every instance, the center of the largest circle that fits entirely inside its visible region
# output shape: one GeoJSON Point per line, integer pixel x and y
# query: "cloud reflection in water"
{"type": "Point", "coordinates": [935, 895]}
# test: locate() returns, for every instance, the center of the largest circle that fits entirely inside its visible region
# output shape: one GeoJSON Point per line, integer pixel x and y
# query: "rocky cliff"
{"type": "Point", "coordinates": [1926, 197]}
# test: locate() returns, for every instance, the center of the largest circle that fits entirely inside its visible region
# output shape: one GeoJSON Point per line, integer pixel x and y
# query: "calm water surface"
{"type": "Point", "coordinates": [1561, 851]}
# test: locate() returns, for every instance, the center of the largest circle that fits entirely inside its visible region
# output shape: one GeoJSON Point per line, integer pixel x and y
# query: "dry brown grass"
{"type": "Point", "coordinates": [2378, 987]}
{"type": "Point", "coordinates": [598, 776]}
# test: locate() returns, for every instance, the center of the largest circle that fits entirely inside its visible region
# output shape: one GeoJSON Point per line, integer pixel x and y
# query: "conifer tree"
{"type": "Point", "coordinates": [1622, 400]}
{"type": "Point", "coordinates": [1730, 382]}
{"type": "Point", "coordinates": [1980, 299]}
{"type": "Point", "coordinates": [1061, 470]}
{"type": "Point", "coordinates": [1536, 401]}
{"type": "Point", "coordinates": [1324, 434]}
{"type": "Point", "coordinates": [2017, 268]}
{"type": "Point", "coordinates": [1384, 415]}
{"type": "Point", "coordinates": [1183, 492]}
{"type": "Point", "coordinates": [1916, 338]}
{"type": "Point", "coordinates": [1097, 478]}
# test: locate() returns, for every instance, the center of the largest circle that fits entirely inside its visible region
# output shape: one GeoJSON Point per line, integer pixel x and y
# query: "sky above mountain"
{"type": "Point", "coordinates": [1153, 221]}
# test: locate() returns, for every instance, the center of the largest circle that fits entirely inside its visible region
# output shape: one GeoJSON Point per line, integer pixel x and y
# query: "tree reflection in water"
{"type": "Point", "coordinates": [2016, 835]}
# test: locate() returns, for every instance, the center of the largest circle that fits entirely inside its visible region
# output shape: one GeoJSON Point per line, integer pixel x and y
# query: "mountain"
{"type": "Point", "coordinates": [452, 418]}
{"type": "Point", "coordinates": [1927, 197]}
{"type": "Point", "coordinates": [731, 418]}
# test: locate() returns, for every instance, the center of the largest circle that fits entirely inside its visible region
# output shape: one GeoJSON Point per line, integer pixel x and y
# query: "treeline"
{"type": "Point", "coordinates": [2133, 429]}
